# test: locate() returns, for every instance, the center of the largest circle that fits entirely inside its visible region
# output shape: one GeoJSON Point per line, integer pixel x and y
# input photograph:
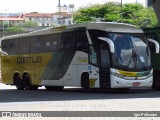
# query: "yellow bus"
{"type": "Point", "coordinates": [87, 55]}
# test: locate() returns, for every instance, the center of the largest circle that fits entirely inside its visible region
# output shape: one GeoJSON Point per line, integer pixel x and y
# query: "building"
{"type": "Point", "coordinates": [11, 21]}
{"type": "Point", "coordinates": [62, 18]}
{"type": "Point", "coordinates": [49, 19]}
{"type": "Point", "coordinates": [11, 18]}
{"type": "Point", "coordinates": [148, 3]}
{"type": "Point", "coordinates": [42, 19]}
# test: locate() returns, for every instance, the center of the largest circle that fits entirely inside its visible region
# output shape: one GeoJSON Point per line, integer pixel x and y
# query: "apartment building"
{"type": "Point", "coordinates": [42, 19]}
{"type": "Point", "coordinates": [49, 19]}
{"type": "Point", "coordinates": [11, 18]}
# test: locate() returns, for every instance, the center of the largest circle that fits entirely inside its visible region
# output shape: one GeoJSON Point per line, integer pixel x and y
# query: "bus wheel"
{"type": "Point", "coordinates": [27, 83]}
{"type": "Point", "coordinates": [85, 81]}
{"type": "Point", "coordinates": [54, 88]}
{"type": "Point", "coordinates": [157, 82]}
{"type": "Point", "coordinates": [18, 83]}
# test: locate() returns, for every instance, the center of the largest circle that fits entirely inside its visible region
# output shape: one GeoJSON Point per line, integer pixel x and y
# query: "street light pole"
{"type": "Point", "coordinates": [4, 14]}
{"type": "Point", "coordinates": [121, 4]}
{"type": "Point", "coordinates": [59, 12]}
{"type": "Point", "coordinates": [121, 10]}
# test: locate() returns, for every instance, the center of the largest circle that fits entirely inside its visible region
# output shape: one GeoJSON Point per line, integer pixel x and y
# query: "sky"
{"type": "Point", "coordinates": [49, 6]}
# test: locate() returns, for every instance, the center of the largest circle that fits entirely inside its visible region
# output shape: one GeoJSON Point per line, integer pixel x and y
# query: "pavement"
{"type": "Point", "coordinates": [75, 99]}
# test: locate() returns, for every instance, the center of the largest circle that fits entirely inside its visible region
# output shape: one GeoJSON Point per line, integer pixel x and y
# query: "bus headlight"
{"type": "Point", "coordinates": [117, 75]}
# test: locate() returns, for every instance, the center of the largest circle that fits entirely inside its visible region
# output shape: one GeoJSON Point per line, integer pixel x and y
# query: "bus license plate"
{"type": "Point", "coordinates": [136, 83]}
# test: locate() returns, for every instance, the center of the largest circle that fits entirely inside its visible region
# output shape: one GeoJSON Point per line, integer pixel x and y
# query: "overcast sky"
{"type": "Point", "coordinates": [48, 6]}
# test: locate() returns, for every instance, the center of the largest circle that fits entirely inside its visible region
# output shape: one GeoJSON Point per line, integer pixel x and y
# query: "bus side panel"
{"type": "Point", "coordinates": [81, 60]}
{"type": "Point", "coordinates": [70, 78]}
{"type": "Point", "coordinates": [9, 67]}
{"type": "Point", "coordinates": [6, 70]}
{"type": "Point", "coordinates": [56, 69]}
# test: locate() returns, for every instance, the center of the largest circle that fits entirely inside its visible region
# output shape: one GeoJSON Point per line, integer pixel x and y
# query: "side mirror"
{"type": "Point", "coordinates": [109, 41]}
{"type": "Point", "coordinates": [153, 45]}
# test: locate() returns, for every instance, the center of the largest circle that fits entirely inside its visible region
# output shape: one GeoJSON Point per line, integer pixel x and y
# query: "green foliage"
{"type": "Point", "coordinates": [134, 14]}
{"type": "Point", "coordinates": [16, 29]}
{"type": "Point", "coordinates": [30, 24]}
{"type": "Point", "coordinates": [1, 23]}
{"type": "Point", "coordinates": [128, 10]}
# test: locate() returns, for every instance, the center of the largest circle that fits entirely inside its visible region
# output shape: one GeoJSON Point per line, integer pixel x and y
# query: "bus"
{"type": "Point", "coordinates": [154, 33]}
{"type": "Point", "coordinates": [88, 55]}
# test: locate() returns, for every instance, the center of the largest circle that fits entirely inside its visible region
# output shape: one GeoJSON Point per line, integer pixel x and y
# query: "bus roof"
{"type": "Point", "coordinates": [105, 26]}
{"type": "Point", "coordinates": [109, 26]}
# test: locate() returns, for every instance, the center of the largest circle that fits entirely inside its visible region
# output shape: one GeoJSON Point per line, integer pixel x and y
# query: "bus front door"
{"type": "Point", "coordinates": [104, 65]}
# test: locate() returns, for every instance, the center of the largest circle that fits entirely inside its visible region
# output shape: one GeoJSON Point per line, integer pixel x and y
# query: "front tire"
{"type": "Point", "coordinates": [85, 81]}
{"type": "Point", "coordinates": [156, 81]}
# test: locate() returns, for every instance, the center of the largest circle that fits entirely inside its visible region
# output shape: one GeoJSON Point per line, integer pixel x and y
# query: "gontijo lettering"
{"type": "Point", "coordinates": [28, 60]}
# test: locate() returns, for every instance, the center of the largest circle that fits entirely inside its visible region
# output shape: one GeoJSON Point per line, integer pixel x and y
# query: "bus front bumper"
{"type": "Point", "coordinates": [117, 82]}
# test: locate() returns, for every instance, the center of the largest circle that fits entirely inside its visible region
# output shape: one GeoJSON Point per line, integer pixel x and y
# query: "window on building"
{"type": "Point", "coordinates": [43, 24]}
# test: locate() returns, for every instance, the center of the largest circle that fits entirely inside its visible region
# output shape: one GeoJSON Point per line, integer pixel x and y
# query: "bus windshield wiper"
{"type": "Point", "coordinates": [136, 59]}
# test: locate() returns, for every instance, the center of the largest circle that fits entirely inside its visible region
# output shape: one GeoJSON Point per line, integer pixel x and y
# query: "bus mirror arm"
{"type": "Point", "coordinates": [155, 43]}
{"type": "Point", "coordinates": [109, 41]}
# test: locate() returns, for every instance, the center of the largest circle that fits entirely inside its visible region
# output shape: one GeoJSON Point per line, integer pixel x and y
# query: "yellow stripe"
{"type": "Point", "coordinates": [128, 74]}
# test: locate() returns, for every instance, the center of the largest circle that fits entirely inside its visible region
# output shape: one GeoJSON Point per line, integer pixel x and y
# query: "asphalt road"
{"type": "Point", "coordinates": [10, 94]}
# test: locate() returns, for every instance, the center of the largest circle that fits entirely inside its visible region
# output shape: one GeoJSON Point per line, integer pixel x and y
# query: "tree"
{"type": "Point", "coordinates": [30, 24]}
{"type": "Point", "coordinates": [16, 29]}
{"type": "Point", "coordinates": [134, 14]}
{"type": "Point", "coordinates": [23, 27]}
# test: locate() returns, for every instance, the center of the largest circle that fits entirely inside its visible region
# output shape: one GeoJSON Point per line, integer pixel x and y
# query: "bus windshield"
{"type": "Point", "coordinates": [131, 50]}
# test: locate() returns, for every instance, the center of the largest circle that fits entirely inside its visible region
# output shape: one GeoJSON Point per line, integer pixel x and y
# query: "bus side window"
{"type": "Point", "coordinates": [10, 46]}
{"type": "Point", "coordinates": [50, 43]}
{"type": "Point", "coordinates": [93, 56]}
{"type": "Point", "coordinates": [13, 46]}
{"type": "Point", "coordinates": [36, 44]}
{"type": "Point", "coordinates": [5, 46]}
{"type": "Point", "coordinates": [66, 41]}
{"type": "Point", "coordinates": [24, 45]}
{"type": "Point", "coordinates": [81, 41]}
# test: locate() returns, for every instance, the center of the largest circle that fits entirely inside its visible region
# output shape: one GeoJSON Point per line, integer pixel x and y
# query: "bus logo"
{"type": "Point", "coordinates": [92, 82]}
